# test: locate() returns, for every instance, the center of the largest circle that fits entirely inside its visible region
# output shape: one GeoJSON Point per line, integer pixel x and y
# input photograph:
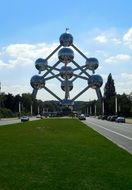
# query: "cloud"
{"type": "Point", "coordinates": [101, 39]}
{"type": "Point", "coordinates": [118, 58]}
{"type": "Point", "coordinates": [127, 38]}
{"type": "Point", "coordinates": [126, 76]}
{"type": "Point", "coordinates": [4, 65]}
{"type": "Point", "coordinates": [24, 54]}
{"type": "Point", "coordinates": [108, 37]}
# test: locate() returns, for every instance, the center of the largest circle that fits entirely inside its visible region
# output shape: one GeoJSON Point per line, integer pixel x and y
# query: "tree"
{"type": "Point", "coordinates": [109, 96]}
{"type": "Point", "coordinates": [109, 89]}
{"type": "Point", "coordinates": [26, 102]}
{"type": "Point", "coordinates": [124, 105]}
{"type": "Point", "coordinates": [9, 101]}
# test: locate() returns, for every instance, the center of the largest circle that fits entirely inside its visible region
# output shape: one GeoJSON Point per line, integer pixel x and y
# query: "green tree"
{"type": "Point", "coordinates": [124, 105]}
{"type": "Point", "coordinates": [109, 96]}
{"type": "Point", "coordinates": [109, 89]}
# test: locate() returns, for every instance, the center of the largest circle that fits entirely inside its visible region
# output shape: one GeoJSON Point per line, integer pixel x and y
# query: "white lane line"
{"type": "Point", "coordinates": [129, 138]}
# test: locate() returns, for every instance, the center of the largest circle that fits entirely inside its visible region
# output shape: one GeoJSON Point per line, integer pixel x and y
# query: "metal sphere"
{"type": "Point", "coordinates": [95, 81]}
{"type": "Point", "coordinates": [37, 82]}
{"type": "Point", "coordinates": [92, 63]}
{"type": "Point", "coordinates": [41, 64]}
{"type": "Point", "coordinates": [66, 55]}
{"type": "Point", "coordinates": [67, 84]}
{"type": "Point", "coordinates": [67, 102]}
{"type": "Point", "coordinates": [66, 72]}
{"type": "Point", "coordinates": [66, 39]}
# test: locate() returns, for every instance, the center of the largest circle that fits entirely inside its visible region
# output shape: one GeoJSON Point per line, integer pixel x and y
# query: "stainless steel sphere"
{"type": "Point", "coordinates": [95, 81]}
{"type": "Point", "coordinates": [67, 102]}
{"type": "Point", "coordinates": [41, 64]}
{"type": "Point", "coordinates": [66, 55]}
{"type": "Point", "coordinates": [92, 63]}
{"type": "Point", "coordinates": [37, 82]}
{"type": "Point", "coordinates": [66, 39]}
{"type": "Point", "coordinates": [66, 84]}
{"type": "Point", "coordinates": [66, 72]}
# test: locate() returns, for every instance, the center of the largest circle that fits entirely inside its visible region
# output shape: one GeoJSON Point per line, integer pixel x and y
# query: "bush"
{"type": "Point", "coordinates": [4, 112]}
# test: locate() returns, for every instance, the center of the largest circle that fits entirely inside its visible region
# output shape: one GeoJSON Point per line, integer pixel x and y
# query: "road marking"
{"type": "Point", "coordinates": [129, 138]}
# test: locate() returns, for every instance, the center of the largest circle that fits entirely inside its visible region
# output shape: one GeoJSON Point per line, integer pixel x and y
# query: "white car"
{"type": "Point", "coordinates": [24, 118]}
{"type": "Point", "coordinates": [120, 120]}
{"type": "Point", "coordinates": [82, 117]}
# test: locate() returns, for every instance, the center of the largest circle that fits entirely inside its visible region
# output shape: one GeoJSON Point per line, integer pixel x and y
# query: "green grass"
{"type": "Point", "coordinates": [61, 154]}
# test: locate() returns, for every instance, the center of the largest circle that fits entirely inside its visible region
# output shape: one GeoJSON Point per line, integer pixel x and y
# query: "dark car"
{"type": "Point", "coordinates": [82, 117]}
{"type": "Point", "coordinates": [113, 117]}
{"type": "Point", "coordinates": [100, 117]}
{"type": "Point", "coordinates": [120, 120]}
{"type": "Point", "coordinates": [24, 118]}
{"type": "Point", "coordinates": [104, 117]}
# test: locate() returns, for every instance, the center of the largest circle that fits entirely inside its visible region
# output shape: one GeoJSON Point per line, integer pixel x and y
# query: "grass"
{"type": "Point", "coordinates": [61, 154]}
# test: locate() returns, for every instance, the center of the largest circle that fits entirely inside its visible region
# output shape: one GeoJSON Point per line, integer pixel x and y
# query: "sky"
{"type": "Point", "coordinates": [31, 29]}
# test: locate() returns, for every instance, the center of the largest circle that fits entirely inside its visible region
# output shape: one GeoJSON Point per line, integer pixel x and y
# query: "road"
{"type": "Point", "coordinates": [13, 120]}
{"type": "Point", "coordinates": [119, 133]}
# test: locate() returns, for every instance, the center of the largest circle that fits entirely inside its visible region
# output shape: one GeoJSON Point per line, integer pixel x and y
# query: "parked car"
{"type": "Point", "coordinates": [39, 116]}
{"type": "Point", "coordinates": [100, 117]}
{"type": "Point", "coordinates": [24, 118]}
{"type": "Point", "coordinates": [104, 117]}
{"type": "Point", "coordinates": [120, 120]}
{"type": "Point", "coordinates": [113, 117]}
{"type": "Point", "coordinates": [109, 118]}
{"type": "Point", "coordinates": [82, 117]}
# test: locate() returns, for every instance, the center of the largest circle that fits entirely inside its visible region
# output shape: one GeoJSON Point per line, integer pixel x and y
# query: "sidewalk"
{"type": "Point", "coordinates": [129, 121]}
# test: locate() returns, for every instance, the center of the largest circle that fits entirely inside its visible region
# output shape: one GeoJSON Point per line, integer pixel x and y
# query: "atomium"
{"type": "Point", "coordinates": [95, 81]}
{"type": "Point", "coordinates": [66, 85]}
{"type": "Point", "coordinates": [66, 55]}
{"type": "Point", "coordinates": [70, 72]}
{"type": "Point", "coordinates": [41, 64]}
{"type": "Point", "coordinates": [92, 63]}
{"type": "Point", "coordinates": [66, 72]}
{"type": "Point", "coordinates": [37, 82]}
{"type": "Point", "coordinates": [66, 39]}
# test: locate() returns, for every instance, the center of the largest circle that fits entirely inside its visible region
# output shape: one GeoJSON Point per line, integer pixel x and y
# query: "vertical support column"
{"type": "Point", "coordinates": [19, 109]}
{"type": "Point", "coordinates": [95, 110]}
{"type": "Point", "coordinates": [31, 110]}
{"type": "Point", "coordinates": [87, 111]}
{"type": "Point", "coordinates": [116, 110]}
{"type": "Point", "coordinates": [38, 110]}
{"type": "Point", "coordinates": [102, 107]}
{"type": "Point", "coordinates": [90, 110]}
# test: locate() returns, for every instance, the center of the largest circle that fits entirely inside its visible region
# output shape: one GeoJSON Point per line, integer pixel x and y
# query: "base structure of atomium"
{"type": "Point", "coordinates": [66, 74]}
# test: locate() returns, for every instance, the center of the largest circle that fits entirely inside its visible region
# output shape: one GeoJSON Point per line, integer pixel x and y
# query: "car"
{"type": "Point", "coordinates": [120, 120]}
{"type": "Point", "coordinates": [38, 116]}
{"type": "Point", "coordinates": [104, 117]}
{"type": "Point", "coordinates": [113, 117]}
{"type": "Point", "coordinates": [99, 116]}
{"type": "Point", "coordinates": [82, 117]}
{"type": "Point", "coordinates": [24, 118]}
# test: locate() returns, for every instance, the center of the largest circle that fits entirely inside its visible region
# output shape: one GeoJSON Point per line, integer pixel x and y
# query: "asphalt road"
{"type": "Point", "coordinates": [119, 133]}
{"type": "Point", "coordinates": [14, 120]}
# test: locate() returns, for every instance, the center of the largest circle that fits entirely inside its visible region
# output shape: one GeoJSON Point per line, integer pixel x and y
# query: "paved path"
{"type": "Point", "coordinates": [119, 133]}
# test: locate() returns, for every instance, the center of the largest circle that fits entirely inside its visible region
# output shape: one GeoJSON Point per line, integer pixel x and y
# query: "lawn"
{"type": "Point", "coordinates": [61, 154]}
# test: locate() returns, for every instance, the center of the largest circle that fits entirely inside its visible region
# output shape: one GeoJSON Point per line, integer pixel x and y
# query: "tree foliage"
{"type": "Point", "coordinates": [109, 89]}
{"type": "Point", "coordinates": [109, 96]}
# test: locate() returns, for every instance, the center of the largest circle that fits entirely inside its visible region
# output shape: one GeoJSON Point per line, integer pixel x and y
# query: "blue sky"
{"type": "Point", "coordinates": [31, 29]}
